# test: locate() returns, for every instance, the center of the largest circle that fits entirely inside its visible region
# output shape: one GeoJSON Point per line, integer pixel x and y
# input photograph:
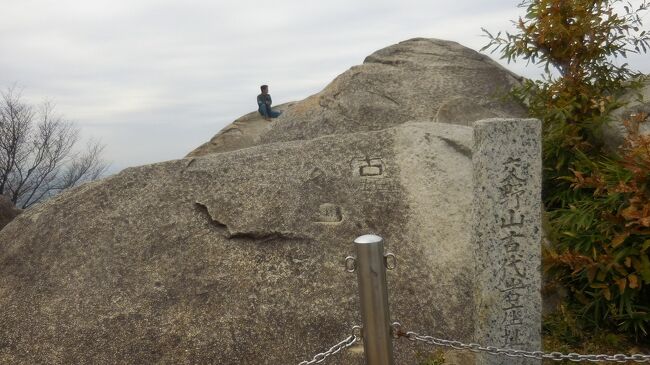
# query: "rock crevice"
{"type": "Point", "coordinates": [255, 235]}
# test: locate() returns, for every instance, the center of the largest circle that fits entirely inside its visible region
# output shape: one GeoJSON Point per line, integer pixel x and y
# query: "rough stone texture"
{"type": "Point", "coordinates": [243, 132]}
{"type": "Point", "coordinates": [418, 79]}
{"type": "Point", "coordinates": [237, 258]}
{"type": "Point", "coordinates": [7, 211]}
{"type": "Point", "coordinates": [638, 102]}
{"type": "Point", "coordinates": [508, 235]}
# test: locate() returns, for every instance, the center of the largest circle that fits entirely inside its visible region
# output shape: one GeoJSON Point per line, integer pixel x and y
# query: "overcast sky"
{"type": "Point", "coordinates": [153, 79]}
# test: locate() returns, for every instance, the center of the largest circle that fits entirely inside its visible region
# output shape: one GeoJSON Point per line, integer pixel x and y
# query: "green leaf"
{"type": "Point", "coordinates": [645, 245]}
{"type": "Point", "coordinates": [645, 269]}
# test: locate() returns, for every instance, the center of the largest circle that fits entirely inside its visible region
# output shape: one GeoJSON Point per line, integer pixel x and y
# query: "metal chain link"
{"type": "Point", "coordinates": [349, 341]}
{"type": "Point", "coordinates": [556, 356]}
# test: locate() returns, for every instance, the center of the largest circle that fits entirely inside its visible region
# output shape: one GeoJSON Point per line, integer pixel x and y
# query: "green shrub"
{"type": "Point", "coordinates": [598, 203]}
{"type": "Point", "coordinates": [602, 238]}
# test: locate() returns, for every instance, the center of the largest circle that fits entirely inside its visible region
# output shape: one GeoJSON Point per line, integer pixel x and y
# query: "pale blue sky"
{"type": "Point", "coordinates": [153, 79]}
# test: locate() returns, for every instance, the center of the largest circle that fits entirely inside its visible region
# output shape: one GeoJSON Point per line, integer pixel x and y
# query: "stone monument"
{"type": "Point", "coordinates": [507, 236]}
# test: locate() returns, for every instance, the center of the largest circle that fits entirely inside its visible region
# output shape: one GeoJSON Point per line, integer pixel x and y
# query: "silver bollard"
{"type": "Point", "coordinates": [373, 291]}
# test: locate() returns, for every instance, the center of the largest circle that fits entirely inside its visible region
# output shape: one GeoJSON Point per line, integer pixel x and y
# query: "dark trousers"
{"type": "Point", "coordinates": [267, 112]}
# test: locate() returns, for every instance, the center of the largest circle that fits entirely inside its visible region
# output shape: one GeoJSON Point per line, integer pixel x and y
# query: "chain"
{"type": "Point", "coordinates": [556, 356]}
{"type": "Point", "coordinates": [349, 341]}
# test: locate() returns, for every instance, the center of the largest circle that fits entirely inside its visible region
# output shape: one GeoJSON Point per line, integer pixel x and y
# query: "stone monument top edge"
{"type": "Point", "coordinates": [368, 239]}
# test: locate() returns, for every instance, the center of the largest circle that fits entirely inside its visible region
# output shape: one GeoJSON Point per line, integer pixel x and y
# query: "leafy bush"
{"type": "Point", "coordinates": [602, 239]}
{"type": "Point", "coordinates": [597, 202]}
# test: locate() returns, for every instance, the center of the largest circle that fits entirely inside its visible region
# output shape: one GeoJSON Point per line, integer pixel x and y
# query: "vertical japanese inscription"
{"type": "Point", "coordinates": [506, 233]}
{"type": "Point", "coordinates": [512, 273]}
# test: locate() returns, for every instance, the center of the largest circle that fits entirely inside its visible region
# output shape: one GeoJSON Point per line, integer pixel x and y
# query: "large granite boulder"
{"type": "Point", "coordinates": [237, 257]}
{"type": "Point", "coordinates": [418, 79]}
{"type": "Point", "coordinates": [7, 211]}
{"type": "Point", "coordinates": [637, 101]}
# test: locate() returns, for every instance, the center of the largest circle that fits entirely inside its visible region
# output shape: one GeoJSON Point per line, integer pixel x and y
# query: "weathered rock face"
{"type": "Point", "coordinates": [638, 102]}
{"type": "Point", "coordinates": [7, 211]}
{"type": "Point", "coordinates": [418, 79]}
{"type": "Point", "coordinates": [237, 258]}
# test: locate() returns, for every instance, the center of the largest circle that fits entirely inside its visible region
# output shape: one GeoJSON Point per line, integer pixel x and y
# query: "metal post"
{"type": "Point", "coordinates": [373, 291]}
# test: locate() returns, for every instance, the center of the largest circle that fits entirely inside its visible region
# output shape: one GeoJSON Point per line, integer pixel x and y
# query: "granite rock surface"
{"type": "Point", "coordinates": [637, 101]}
{"type": "Point", "coordinates": [237, 257]}
{"type": "Point", "coordinates": [418, 79]}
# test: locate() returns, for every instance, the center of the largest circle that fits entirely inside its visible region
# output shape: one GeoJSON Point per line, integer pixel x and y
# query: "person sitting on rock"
{"type": "Point", "coordinates": [264, 104]}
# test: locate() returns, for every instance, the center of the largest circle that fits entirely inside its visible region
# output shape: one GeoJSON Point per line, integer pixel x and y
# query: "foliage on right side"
{"type": "Point", "coordinates": [597, 201]}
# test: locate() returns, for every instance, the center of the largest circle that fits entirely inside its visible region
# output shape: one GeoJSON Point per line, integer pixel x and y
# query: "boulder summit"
{"type": "Point", "coordinates": [419, 79]}
{"type": "Point", "coordinates": [234, 255]}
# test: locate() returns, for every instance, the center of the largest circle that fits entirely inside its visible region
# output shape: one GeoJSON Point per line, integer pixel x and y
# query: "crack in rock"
{"type": "Point", "coordinates": [257, 235]}
{"type": "Point", "coordinates": [384, 96]}
{"type": "Point", "coordinates": [383, 61]}
{"type": "Point", "coordinates": [463, 150]}
{"type": "Point", "coordinates": [203, 209]}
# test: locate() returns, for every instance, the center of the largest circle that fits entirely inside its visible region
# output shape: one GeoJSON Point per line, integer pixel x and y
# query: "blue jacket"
{"type": "Point", "coordinates": [264, 99]}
